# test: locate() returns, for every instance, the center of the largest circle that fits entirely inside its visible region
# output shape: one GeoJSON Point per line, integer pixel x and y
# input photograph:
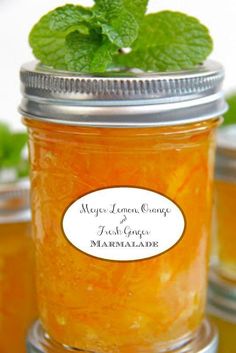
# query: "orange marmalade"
{"type": "Point", "coordinates": [17, 295]}
{"type": "Point", "coordinates": [152, 135]}
{"type": "Point", "coordinates": [100, 305]}
{"type": "Point", "coordinates": [227, 340]}
{"type": "Point", "coordinates": [222, 309]}
{"type": "Point", "coordinates": [225, 203]}
{"type": "Point", "coordinates": [226, 225]}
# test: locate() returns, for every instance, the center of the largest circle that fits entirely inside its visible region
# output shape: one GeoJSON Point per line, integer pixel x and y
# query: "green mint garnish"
{"type": "Point", "coordinates": [108, 9]}
{"type": "Point", "coordinates": [169, 41]}
{"type": "Point", "coordinates": [121, 30]}
{"type": "Point", "coordinates": [92, 39]}
{"type": "Point", "coordinates": [230, 115]}
{"type": "Point", "coordinates": [137, 8]}
{"type": "Point", "coordinates": [63, 18]}
{"type": "Point", "coordinates": [87, 53]}
{"type": "Point", "coordinates": [11, 147]}
{"type": "Point", "coordinates": [48, 42]}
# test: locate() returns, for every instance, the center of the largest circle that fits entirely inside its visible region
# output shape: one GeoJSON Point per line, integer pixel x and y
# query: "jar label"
{"type": "Point", "coordinates": [123, 223]}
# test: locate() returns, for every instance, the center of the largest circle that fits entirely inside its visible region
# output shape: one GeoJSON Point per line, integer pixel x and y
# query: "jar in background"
{"type": "Point", "coordinates": [17, 290]}
{"type": "Point", "coordinates": [222, 309]}
{"type": "Point", "coordinates": [225, 203]}
{"type": "Point", "coordinates": [118, 162]}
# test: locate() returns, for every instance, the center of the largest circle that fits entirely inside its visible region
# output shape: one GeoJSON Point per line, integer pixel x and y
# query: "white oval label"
{"type": "Point", "coordinates": [123, 223]}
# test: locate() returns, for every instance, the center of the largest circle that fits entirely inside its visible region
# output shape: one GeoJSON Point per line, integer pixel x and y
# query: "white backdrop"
{"type": "Point", "coordinates": [18, 16]}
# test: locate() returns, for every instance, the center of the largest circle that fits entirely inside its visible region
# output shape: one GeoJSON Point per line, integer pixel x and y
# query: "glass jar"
{"type": "Point", "coordinates": [222, 309]}
{"type": "Point", "coordinates": [17, 292]}
{"type": "Point", "coordinates": [205, 341]}
{"type": "Point", "coordinates": [122, 171]}
{"type": "Point", "coordinates": [225, 203]}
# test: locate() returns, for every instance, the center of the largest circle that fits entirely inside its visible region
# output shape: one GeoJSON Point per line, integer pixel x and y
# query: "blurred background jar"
{"type": "Point", "coordinates": [225, 204]}
{"type": "Point", "coordinates": [222, 309]}
{"type": "Point", "coordinates": [17, 292]}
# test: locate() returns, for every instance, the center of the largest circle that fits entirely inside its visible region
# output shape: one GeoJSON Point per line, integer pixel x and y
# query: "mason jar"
{"type": "Point", "coordinates": [222, 309]}
{"type": "Point", "coordinates": [17, 290]}
{"type": "Point", "coordinates": [122, 172]}
{"type": "Point", "coordinates": [225, 203]}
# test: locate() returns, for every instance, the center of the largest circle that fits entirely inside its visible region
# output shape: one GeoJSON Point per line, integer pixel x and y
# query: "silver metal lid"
{"type": "Point", "coordinates": [206, 341]}
{"type": "Point", "coordinates": [15, 202]}
{"type": "Point", "coordinates": [122, 99]}
{"type": "Point", "coordinates": [226, 153]}
{"type": "Point", "coordinates": [222, 297]}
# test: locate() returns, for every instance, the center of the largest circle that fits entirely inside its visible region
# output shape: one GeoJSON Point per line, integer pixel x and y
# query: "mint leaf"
{"type": "Point", "coordinates": [87, 53]}
{"type": "Point", "coordinates": [169, 41]}
{"type": "Point", "coordinates": [12, 151]}
{"type": "Point", "coordinates": [112, 8]}
{"type": "Point", "coordinates": [118, 24]}
{"type": "Point", "coordinates": [102, 58]}
{"type": "Point", "coordinates": [80, 49]}
{"type": "Point", "coordinates": [121, 30]}
{"type": "Point", "coordinates": [230, 115]}
{"type": "Point", "coordinates": [11, 147]}
{"type": "Point", "coordinates": [5, 141]}
{"type": "Point", "coordinates": [18, 142]}
{"type": "Point", "coordinates": [23, 168]}
{"type": "Point", "coordinates": [48, 46]}
{"type": "Point", "coordinates": [137, 8]}
{"type": "Point", "coordinates": [108, 9]}
{"type": "Point", "coordinates": [58, 40]}
{"type": "Point", "coordinates": [67, 16]}
{"type": "Point", "coordinates": [48, 36]}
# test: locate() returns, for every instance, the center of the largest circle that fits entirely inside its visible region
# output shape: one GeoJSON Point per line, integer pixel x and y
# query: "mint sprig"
{"type": "Point", "coordinates": [11, 148]}
{"type": "Point", "coordinates": [92, 39]}
{"type": "Point", "coordinates": [230, 115]}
